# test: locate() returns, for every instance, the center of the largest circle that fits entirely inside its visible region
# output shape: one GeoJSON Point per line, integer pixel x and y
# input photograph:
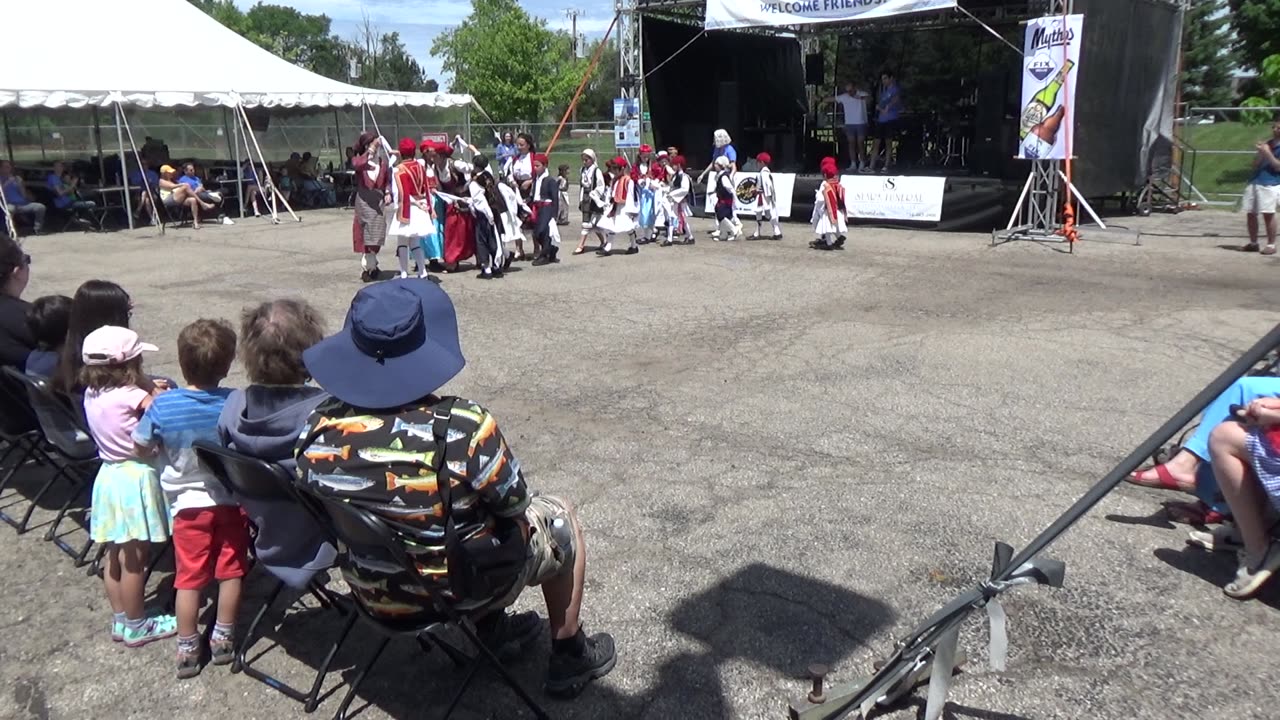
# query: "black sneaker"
{"type": "Point", "coordinates": [633, 250]}
{"type": "Point", "coordinates": [568, 674]}
{"type": "Point", "coordinates": [541, 260]}
{"type": "Point", "coordinates": [508, 636]}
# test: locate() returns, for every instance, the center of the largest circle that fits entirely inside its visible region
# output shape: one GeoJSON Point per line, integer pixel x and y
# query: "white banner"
{"type": "Point", "coordinates": [894, 198]}
{"type": "Point", "coordinates": [722, 14]}
{"type": "Point", "coordinates": [744, 201]}
{"type": "Point", "coordinates": [1050, 74]}
{"type": "Point", "coordinates": [626, 123]}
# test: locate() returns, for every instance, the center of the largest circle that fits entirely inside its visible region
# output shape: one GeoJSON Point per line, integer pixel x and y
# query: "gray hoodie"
{"type": "Point", "coordinates": [264, 422]}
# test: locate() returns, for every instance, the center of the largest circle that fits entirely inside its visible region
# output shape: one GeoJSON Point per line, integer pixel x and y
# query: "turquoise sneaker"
{"type": "Point", "coordinates": [117, 631]}
{"type": "Point", "coordinates": [155, 628]}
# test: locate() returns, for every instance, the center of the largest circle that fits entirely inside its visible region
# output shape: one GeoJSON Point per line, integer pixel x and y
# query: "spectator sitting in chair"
{"type": "Point", "coordinates": [63, 186]}
{"type": "Point", "coordinates": [375, 445]}
{"type": "Point", "coordinates": [48, 319]}
{"type": "Point", "coordinates": [174, 195]}
{"type": "Point", "coordinates": [317, 190]}
{"type": "Point", "coordinates": [192, 180]}
{"type": "Point", "coordinates": [136, 181]}
{"type": "Point", "coordinates": [18, 198]}
{"type": "Point", "coordinates": [263, 421]}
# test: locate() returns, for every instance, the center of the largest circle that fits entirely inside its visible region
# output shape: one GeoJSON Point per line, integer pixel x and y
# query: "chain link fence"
{"type": "Point", "coordinates": [1218, 147]}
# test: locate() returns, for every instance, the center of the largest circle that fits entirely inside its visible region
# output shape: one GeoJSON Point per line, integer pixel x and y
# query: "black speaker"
{"type": "Point", "coordinates": [814, 69]}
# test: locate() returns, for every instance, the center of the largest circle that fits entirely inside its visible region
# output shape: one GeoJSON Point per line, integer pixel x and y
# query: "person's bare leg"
{"type": "Point", "coordinates": [1243, 492]}
{"type": "Point", "coordinates": [194, 205]}
{"type": "Point", "coordinates": [187, 608]}
{"type": "Point", "coordinates": [563, 593]}
{"type": "Point", "coordinates": [228, 600]}
{"type": "Point", "coordinates": [1269, 221]}
{"type": "Point", "coordinates": [853, 147]}
{"type": "Point", "coordinates": [133, 568]}
{"type": "Point", "coordinates": [111, 578]}
{"type": "Point", "coordinates": [1251, 222]}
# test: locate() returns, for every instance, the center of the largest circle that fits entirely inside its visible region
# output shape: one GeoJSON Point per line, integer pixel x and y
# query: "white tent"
{"type": "Point", "coordinates": [135, 69]}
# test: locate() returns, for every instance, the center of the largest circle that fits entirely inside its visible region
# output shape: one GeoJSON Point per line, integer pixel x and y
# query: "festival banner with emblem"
{"type": "Point", "coordinates": [626, 123]}
{"type": "Point", "coordinates": [1051, 60]}
{"type": "Point", "coordinates": [894, 197]}
{"type": "Point", "coordinates": [744, 200]}
{"type": "Point", "coordinates": [724, 14]}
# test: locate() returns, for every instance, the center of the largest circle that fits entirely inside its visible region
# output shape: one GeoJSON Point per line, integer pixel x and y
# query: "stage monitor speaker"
{"type": "Point", "coordinates": [814, 67]}
{"type": "Point", "coordinates": [992, 153]}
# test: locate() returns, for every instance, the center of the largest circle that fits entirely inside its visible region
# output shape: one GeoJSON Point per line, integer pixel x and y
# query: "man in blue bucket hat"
{"type": "Point", "coordinates": [376, 444]}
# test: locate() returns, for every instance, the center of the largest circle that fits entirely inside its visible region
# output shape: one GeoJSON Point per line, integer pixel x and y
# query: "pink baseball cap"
{"type": "Point", "coordinates": [111, 345]}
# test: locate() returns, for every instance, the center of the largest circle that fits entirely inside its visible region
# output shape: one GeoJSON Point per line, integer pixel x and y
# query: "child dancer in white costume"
{"type": "Point", "coordinates": [679, 188]}
{"type": "Point", "coordinates": [766, 199]}
{"type": "Point", "coordinates": [829, 223]}
{"type": "Point", "coordinates": [411, 214]}
{"type": "Point", "coordinates": [620, 214]}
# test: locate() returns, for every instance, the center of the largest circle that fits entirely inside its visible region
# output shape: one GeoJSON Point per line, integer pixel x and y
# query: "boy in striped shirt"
{"type": "Point", "coordinates": [210, 534]}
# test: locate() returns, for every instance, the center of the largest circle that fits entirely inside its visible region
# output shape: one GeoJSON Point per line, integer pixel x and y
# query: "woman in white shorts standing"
{"type": "Point", "coordinates": [1262, 194]}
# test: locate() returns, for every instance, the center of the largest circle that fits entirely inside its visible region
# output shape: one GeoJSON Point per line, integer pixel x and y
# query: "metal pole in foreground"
{"type": "Point", "coordinates": [97, 142]}
{"type": "Point", "coordinates": [233, 136]}
{"type": "Point", "coordinates": [917, 648]}
{"type": "Point", "coordinates": [124, 168]}
{"type": "Point", "coordinates": [8, 141]}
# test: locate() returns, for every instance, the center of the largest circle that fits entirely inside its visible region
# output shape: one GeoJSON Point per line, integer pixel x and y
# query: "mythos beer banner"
{"type": "Point", "coordinates": [1050, 75]}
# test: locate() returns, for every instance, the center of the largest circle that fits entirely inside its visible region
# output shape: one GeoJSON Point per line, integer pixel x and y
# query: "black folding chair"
{"type": "Point", "coordinates": [68, 448]}
{"type": "Point", "coordinates": [19, 433]}
{"type": "Point", "coordinates": [365, 534]}
{"type": "Point", "coordinates": [250, 477]}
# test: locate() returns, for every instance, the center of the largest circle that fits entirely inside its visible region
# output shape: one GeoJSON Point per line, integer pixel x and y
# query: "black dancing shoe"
{"type": "Point", "coordinates": [568, 674]}
{"type": "Point", "coordinates": [839, 243]}
{"type": "Point", "coordinates": [541, 260]}
{"type": "Point", "coordinates": [819, 245]}
{"type": "Point", "coordinates": [633, 250]}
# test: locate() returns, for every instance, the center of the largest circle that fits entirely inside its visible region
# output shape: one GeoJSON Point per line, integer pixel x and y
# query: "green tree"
{"type": "Point", "coordinates": [512, 63]}
{"type": "Point", "coordinates": [384, 62]}
{"type": "Point", "coordinates": [1207, 58]}
{"type": "Point", "coordinates": [597, 98]}
{"type": "Point", "coordinates": [1257, 27]}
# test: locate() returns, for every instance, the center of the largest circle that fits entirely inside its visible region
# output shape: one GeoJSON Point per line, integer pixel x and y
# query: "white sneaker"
{"type": "Point", "coordinates": [227, 221]}
{"type": "Point", "coordinates": [404, 275]}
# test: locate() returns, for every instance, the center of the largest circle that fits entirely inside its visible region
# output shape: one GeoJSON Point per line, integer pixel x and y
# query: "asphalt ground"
{"type": "Point", "coordinates": [781, 457]}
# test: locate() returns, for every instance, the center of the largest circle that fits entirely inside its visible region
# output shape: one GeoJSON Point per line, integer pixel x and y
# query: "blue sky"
{"type": "Point", "coordinates": [420, 22]}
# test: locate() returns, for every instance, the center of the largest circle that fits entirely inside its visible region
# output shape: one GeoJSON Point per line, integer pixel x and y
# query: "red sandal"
{"type": "Point", "coordinates": [1163, 480]}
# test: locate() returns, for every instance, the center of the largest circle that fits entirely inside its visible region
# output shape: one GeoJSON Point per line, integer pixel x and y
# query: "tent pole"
{"type": "Point", "coordinates": [40, 135]}
{"type": "Point", "coordinates": [396, 110]}
{"type": "Point", "coordinates": [233, 137]}
{"type": "Point", "coordinates": [97, 142]}
{"type": "Point", "coordinates": [466, 122]}
{"type": "Point", "coordinates": [8, 141]}
{"type": "Point", "coordinates": [342, 146]}
{"type": "Point", "coordinates": [275, 192]}
{"type": "Point", "coordinates": [263, 181]}
{"type": "Point", "coordinates": [124, 169]}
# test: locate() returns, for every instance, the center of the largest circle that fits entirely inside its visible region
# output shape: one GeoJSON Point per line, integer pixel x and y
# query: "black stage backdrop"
{"type": "Point", "coordinates": [1124, 104]}
{"type": "Point", "coordinates": [750, 85]}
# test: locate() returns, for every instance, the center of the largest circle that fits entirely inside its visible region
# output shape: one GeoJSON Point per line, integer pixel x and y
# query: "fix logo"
{"type": "Point", "coordinates": [1041, 66]}
{"type": "Point", "coordinates": [890, 184]}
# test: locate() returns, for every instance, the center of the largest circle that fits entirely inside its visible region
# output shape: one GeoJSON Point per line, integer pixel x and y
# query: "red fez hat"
{"type": "Point", "coordinates": [540, 158]}
{"type": "Point", "coordinates": [428, 145]}
{"type": "Point", "coordinates": [678, 161]}
{"type": "Point", "coordinates": [646, 149]}
{"type": "Point", "coordinates": [765, 158]}
{"type": "Point", "coordinates": [444, 150]}
{"type": "Point", "coordinates": [621, 161]}
{"type": "Point", "coordinates": [408, 147]}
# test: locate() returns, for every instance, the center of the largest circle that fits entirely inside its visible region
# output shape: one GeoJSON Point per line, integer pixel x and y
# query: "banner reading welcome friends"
{"type": "Point", "coordinates": [722, 14]}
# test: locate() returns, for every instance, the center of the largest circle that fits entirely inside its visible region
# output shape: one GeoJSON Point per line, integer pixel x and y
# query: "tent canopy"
{"type": "Point", "coordinates": [232, 69]}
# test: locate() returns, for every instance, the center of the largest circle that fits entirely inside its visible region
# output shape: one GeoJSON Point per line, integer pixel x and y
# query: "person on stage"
{"type": "Point", "coordinates": [459, 223]}
{"type": "Point", "coordinates": [436, 170]}
{"type": "Point", "coordinates": [372, 163]}
{"type": "Point", "coordinates": [888, 111]}
{"type": "Point", "coordinates": [766, 199]}
{"type": "Point", "coordinates": [487, 207]}
{"type": "Point", "coordinates": [728, 226]}
{"type": "Point", "coordinates": [646, 174]}
{"type": "Point", "coordinates": [679, 188]}
{"type": "Point", "coordinates": [411, 220]}
{"type": "Point", "coordinates": [591, 197]}
{"type": "Point", "coordinates": [620, 214]}
{"type": "Point", "coordinates": [546, 206]}
{"type": "Point", "coordinates": [829, 210]}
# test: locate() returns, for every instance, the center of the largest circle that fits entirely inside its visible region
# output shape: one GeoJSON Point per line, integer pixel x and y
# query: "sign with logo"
{"type": "Point", "coordinates": [894, 197]}
{"type": "Point", "coordinates": [722, 14]}
{"type": "Point", "coordinates": [438, 138]}
{"type": "Point", "coordinates": [1050, 74]}
{"type": "Point", "coordinates": [626, 123]}
{"type": "Point", "coordinates": [744, 193]}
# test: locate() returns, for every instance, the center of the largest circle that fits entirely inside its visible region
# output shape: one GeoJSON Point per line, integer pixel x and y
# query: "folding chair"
{"type": "Point", "coordinates": [19, 432]}
{"type": "Point", "coordinates": [250, 477]}
{"type": "Point", "coordinates": [73, 454]}
{"type": "Point", "coordinates": [366, 534]}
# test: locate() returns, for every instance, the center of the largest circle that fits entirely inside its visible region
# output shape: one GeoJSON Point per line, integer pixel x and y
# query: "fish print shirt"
{"type": "Point", "coordinates": [383, 462]}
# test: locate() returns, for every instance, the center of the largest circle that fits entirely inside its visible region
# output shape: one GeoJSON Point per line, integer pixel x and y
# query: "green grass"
{"type": "Point", "coordinates": [1220, 176]}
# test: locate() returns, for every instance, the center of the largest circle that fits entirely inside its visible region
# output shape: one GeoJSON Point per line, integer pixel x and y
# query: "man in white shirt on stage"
{"type": "Point", "coordinates": [853, 103]}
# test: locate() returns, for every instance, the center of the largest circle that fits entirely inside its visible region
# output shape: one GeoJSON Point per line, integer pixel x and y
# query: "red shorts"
{"type": "Point", "coordinates": [210, 543]}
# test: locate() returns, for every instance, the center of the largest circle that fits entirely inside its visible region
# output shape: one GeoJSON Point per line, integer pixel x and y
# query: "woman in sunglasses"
{"type": "Point", "coordinates": [15, 337]}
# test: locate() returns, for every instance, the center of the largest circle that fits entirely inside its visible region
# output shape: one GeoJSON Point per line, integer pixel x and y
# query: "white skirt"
{"type": "Point", "coordinates": [420, 224]}
{"type": "Point", "coordinates": [619, 224]}
{"type": "Point", "coordinates": [823, 225]}
{"type": "Point", "coordinates": [511, 228]}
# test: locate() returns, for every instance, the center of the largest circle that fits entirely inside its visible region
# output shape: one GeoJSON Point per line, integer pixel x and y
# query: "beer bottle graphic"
{"type": "Point", "coordinates": [1043, 136]}
{"type": "Point", "coordinates": [1036, 110]}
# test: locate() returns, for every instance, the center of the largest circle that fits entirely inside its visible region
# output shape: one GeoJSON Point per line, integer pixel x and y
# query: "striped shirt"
{"type": "Point", "coordinates": [175, 420]}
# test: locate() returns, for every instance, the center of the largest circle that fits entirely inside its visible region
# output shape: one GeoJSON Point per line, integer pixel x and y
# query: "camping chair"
{"type": "Point", "coordinates": [19, 433]}
{"type": "Point", "coordinates": [73, 454]}
{"type": "Point", "coordinates": [361, 531]}
{"type": "Point", "coordinates": [251, 477]}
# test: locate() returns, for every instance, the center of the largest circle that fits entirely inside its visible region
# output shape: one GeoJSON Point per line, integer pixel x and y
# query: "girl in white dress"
{"type": "Point", "coordinates": [829, 210]}
{"type": "Point", "coordinates": [620, 213]}
{"type": "Point", "coordinates": [766, 199]}
{"type": "Point", "coordinates": [412, 217]}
